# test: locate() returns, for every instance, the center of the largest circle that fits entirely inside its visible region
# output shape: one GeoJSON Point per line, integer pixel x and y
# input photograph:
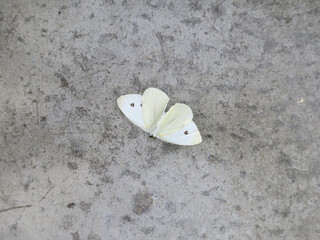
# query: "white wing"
{"type": "Point", "coordinates": [189, 135]}
{"type": "Point", "coordinates": [177, 127]}
{"type": "Point", "coordinates": [178, 116]}
{"type": "Point", "coordinates": [154, 102]}
{"type": "Point", "coordinates": [131, 106]}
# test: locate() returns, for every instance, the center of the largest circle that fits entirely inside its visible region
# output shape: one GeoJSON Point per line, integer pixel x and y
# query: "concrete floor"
{"type": "Point", "coordinates": [73, 167]}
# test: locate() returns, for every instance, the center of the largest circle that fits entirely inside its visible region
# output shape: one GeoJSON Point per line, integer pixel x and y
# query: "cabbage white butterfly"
{"type": "Point", "coordinates": [148, 112]}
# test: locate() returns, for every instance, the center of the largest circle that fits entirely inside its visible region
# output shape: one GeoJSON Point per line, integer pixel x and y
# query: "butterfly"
{"type": "Point", "coordinates": [147, 111]}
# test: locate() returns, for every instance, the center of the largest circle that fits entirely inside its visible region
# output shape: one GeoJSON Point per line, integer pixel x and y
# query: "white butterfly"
{"type": "Point", "coordinates": [147, 112]}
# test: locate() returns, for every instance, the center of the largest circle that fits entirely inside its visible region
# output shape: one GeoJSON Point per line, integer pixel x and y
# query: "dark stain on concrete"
{"type": "Point", "coordinates": [217, 9]}
{"type": "Point", "coordinates": [142, 202]}
{"type": "Point", "coordinates": [20, 39]}
{"type": "Point", "coordinates": [107, 179]}
{"type": "Point", "coordinates": [221, 128]}
{"type": "Point", "coordinates": [283, 212]}
{"type": "Point", "coordinates": [171, 207]}
{"type": "Point", "coordinates": [147, 230]}
{"type": "Point", "coordinates": [205, 193]}
{"type": "Point", "coordinates": [67, 222]}
{"type": "Point", "coordinates": [72, 165]}
{"type": "Point", "coordinates": [85, 206]}
{"type": "Point", "coordinates": [238, 207]}
{"type": "Point", "coordinates": [193, 21]}
{"type": "Point", "coordinates": [14, 227]}
{"type": "Point", "coordinates": [168, 148]}
{"type": "Point", "coordinates": [284, 159]}
{"type": "Point", "coordinates": [132, 174]}
{"type": "Point", "coordinates": [237, 137]}
{"type": "Point", "coordinates": [71, 205]}
{"type": "Point", "coordinates": [126, 218]}
{"type": "Point", "coordinates": [276, 231]}
{"type": "Point", "coordinates": [195, 5]}
{"type": "Point", "coordinates": [98, 166]}
{"type": "Point", "coordinates": [243, 173]}
{"type": "Point", "coordinates": [75, 236]}
{"type": "Point", "coordinates": [76, 150]}
{"type": "Point", "coordinates": [134, 133]}
{"type": "Point", "coordinates": [64, 83]}
{"type": "Point", "coordinates": [82, 112]}
{"type": "Point", "coordinates": [214, 158]}
{"type": "Point", "coordinates": [94, 236]}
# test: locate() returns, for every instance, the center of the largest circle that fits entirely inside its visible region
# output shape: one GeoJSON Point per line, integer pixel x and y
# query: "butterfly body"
{"type": "Point", "coordinates": [147, 111]}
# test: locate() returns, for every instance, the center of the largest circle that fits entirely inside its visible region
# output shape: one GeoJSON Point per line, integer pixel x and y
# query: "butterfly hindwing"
{"type": "Point", "coordinates": [131, 106]}
{"type": "Point", "coordinates": [154, 102]}
{"type": "Point", "coordinates": [188, 135]}
{"type": "Point", "coordinates": [178, 116]}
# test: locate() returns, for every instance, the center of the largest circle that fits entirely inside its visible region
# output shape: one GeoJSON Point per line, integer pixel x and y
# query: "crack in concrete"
{"type": "Point", "coordinates": [12, 208]}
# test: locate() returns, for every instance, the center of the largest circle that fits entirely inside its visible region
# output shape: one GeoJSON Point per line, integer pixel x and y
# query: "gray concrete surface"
{"type": "Point", "coordinates": [73, 167]}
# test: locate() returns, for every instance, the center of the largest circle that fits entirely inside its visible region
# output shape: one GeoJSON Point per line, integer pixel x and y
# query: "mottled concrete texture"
{"type": "Point", "coordinates": [73, 167]}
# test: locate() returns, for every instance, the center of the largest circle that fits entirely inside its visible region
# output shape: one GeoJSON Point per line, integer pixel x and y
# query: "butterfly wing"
{"type": "Point", "coordinates": [177, 127]}
{"type": "Point", "coordinates": [178, 116]}
{"type": "Point", "coordinates": [131, 106]}
{"type": "Point", "coordinates": [189, 135]}
{"type": "Point", "coordinates": [154, 102]}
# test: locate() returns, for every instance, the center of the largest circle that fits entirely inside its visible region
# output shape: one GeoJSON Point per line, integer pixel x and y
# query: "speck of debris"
{"type": "Point", "coordinates": [142, 202]}
{"type": "Point", "coordinates": [84, 206]}
{"type": "Point", "coordinates": [72, 165]}
{"type": "Point", "coordinates": [132, 174]}
{"type": "Point", "coordinates": [205, 193]}
{"type": "Point", "coordinates": [107, 179]}
{"type": "Point", "coordinates": [214, 158]}
{"type": "Point", "coordinates": [126, 218]}
{"type": "Point", "coordinates": [243, 173]}
{"type": "Point", "coordinates": [75, 236]}
{"type": "Point", "coordinates": [21, 39]}
{"type": "Point", "coordinates": [71, 205]}
{"type": "Point", "coordinates": [43, 118]}
{"type": "Point", "coordinates": [63, 80]}
{"type": "Point", "coordinates": [205, 175]}
{"type": "Point", "coordinates": [147, 230]}
{"type": "Point", "coordinates": [89, 183]}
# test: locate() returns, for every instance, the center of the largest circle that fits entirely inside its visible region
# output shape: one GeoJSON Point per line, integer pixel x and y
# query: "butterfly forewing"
{"type": "Point", "coordinates": [154, 102]}
{"type": "Point", "coordinates": [131, 106]}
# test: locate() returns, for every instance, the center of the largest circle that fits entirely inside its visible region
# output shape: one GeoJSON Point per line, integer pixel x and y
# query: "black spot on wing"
{"type": "Point", "coordinates": [132, 104]}
{"type": "Point", "coordinates": [186, 133]}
